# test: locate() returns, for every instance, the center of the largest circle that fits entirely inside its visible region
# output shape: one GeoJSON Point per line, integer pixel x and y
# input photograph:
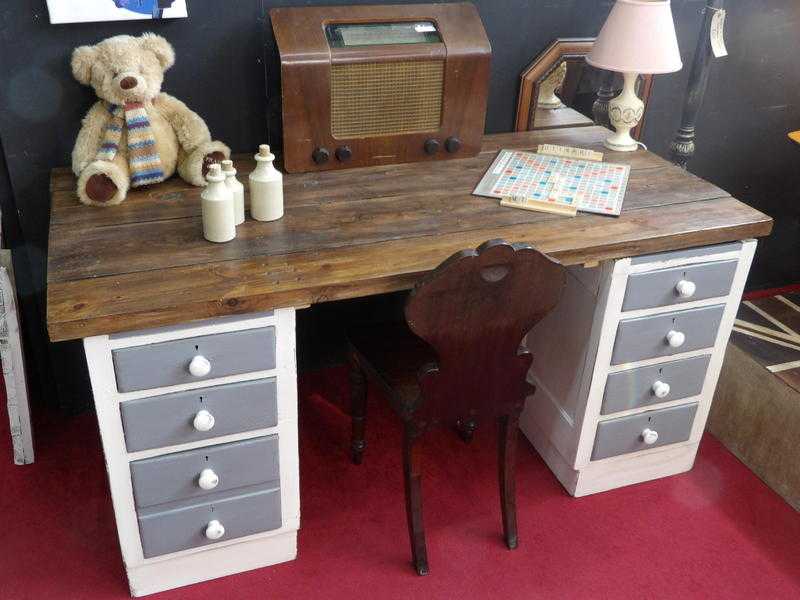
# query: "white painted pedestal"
{"type": "Point", "coordinates": [150, 575]}
{"type": "Point", "coordinates": [573, 357]}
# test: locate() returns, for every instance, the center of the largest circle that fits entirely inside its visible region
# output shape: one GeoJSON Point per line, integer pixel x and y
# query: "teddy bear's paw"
{"type": "Point", "coordinates": [102, 184]}
{"type": "Point", "coordinates": [194, 167]}
{"type": "Point", "coordinates": [210, 159]}
{"type": "Point", "coordinates": [100, 188]}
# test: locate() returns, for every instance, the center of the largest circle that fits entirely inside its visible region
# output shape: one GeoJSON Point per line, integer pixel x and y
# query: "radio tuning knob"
{"type": "Point", "coordinates": [452, 144]}
{"type": "Point", "coordinates": [431, 146]}
{"type": "Point", "coordinates": [320, 155]}
{"type": "Point", "coordinates": [343, 153]}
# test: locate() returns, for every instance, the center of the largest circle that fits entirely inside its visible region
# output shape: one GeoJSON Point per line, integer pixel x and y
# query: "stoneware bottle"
{"type": "Point", "coordinates": [266, 187]}
{"type": "Point", "coordinates": [237, 188]}
{"type": "Point", "coordinates": [219, 223]}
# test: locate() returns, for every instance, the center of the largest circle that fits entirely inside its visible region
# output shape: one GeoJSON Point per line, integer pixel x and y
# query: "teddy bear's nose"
{"type": "Point", "coordinates": [128, 83]}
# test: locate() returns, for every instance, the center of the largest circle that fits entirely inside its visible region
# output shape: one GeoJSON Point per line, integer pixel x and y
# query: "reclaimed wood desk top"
{"type": "Point", "coordinates": [346, 234]}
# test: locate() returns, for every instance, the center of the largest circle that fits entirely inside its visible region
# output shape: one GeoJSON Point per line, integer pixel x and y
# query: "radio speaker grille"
{"type": "Point", "coordinates": [370, 99]}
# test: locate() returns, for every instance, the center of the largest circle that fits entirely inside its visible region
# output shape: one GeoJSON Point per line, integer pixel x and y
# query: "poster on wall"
{"type": "Point", "coordinates": [86, 11]}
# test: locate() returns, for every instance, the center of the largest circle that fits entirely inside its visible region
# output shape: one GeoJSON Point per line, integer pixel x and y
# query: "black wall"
{"type": "Point", "coordinates": [222, 74]}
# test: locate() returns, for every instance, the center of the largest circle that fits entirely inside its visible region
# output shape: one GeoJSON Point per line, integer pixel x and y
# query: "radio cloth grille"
{"type": "Point", "coordinates": [371, 99]}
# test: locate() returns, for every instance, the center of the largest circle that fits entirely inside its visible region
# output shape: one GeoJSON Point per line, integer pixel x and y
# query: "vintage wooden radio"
{"type": "Point", "coordinates": [374, 85]}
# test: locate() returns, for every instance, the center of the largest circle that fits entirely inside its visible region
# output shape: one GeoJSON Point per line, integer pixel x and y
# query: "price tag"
{"type": "Point", "coordinates": [718, 33]}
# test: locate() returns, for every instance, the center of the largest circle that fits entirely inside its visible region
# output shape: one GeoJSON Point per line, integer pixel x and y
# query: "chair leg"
{"type": "Point", "coordinates": [358, 411]}
{"type": "Point", "coordinates": [507, 455]}
{"type": "Point", "coordinates": [413, 486]}
{"type": "Point", "coordinates": [466, 429]}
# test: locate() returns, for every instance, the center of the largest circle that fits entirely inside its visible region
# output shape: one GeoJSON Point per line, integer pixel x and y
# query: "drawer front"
{"type": "Point", "coordinates": [185, 527]}
{"type": "Point", "coordinates": [644, 386]}
{"type": "Point", "coordinates": [626, 434]}
{"type": "Point", "coordinates": [173, 477]}
{"type": "Point", "coordinates": [167, 363]}
{"type": "Point", "coordinates": [646, 337]}
{"type": "Point", "coordinates": [661, 288]}
{"type": "Point", "coordinates": [169, 420]}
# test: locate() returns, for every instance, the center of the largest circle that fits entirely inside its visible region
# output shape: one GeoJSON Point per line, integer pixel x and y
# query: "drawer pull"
{"type": "Point", "coordinates": [649, 436]}
{"type": "Point", "coordinates": [676, 339]}
{"type": "Point", "coordinates": [208, 480]}
{"type": "Point", "coordinates": [199, 366]}
{"type": "Point", "coordinates": [214, 530]}
{"type": "Point", "coordinates": [203, 421]}
{"type": "Point", "coordinates": [685, 288]}
{"type": "Point", "coordinates": [661, 389]}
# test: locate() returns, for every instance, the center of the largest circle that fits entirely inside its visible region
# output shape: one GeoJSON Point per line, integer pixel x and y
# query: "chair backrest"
{"type": "Point", "coordinates": [474, 310]}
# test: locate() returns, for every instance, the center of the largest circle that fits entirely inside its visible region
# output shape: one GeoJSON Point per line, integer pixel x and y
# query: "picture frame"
{"type": "Point", "coordinates": [88, 11]}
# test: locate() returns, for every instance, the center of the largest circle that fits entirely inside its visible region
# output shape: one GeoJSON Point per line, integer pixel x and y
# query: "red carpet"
{"type": "Point", "coordinates": [717, 532]}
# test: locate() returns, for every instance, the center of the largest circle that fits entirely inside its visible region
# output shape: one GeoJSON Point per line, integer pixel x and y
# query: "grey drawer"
{"type": "Point", "coordinates": [173, 477]}
{"type": "Point", "coordinates": [658, 288]}
{"type": "Point", "coordinates": [167, 363]}
{"type": "Point", "coordinates": [183, 527]}
{"type": "Point", "coordinates": [167, 420]}
{"type": "Point", "coordinates": [634, 388]}
{"type": "Point", "coordinates": [645, 337]}
{"type": "Point", "coordinates": [624, 435]}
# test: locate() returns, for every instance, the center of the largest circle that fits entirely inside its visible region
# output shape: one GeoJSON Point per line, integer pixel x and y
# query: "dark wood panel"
{"type": "Point", "coordinates": [347, 234]}
{"type": "Point", "coordinates": [166, 296]}
{"type": "Point", "coordinates": [176, 199]}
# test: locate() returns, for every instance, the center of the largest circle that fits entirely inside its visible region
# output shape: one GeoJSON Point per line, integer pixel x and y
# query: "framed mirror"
{"type": "Point", "coordinates": [559, 89]}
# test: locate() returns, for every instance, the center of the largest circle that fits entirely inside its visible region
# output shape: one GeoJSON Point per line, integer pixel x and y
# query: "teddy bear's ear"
{"type": "Point", "coordinates": [82, 59]}
{"type": "Point", "coordinates": [160, 47]}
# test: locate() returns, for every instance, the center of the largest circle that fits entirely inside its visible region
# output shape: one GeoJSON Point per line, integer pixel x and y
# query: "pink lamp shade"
{"type": "Point", "coordinates": [638, 37]}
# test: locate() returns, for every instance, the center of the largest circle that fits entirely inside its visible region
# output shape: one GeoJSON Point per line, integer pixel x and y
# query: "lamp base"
{"type": "Point", "coordinates": [624, 112]}
{"type": "Point", "coordinates": [611, 145]}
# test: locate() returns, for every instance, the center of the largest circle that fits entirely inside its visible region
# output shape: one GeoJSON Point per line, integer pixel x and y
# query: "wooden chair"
{"type": "Point", "coordinates": [459, 358]}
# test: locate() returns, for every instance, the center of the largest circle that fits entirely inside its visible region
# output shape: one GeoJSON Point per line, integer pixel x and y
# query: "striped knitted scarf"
{"type": "Point", "coordinates": [143, 158]}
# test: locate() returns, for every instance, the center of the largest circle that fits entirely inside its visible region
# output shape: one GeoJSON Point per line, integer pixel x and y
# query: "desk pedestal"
{"type": "Point", "coordinates": [199, 431]}
{"type": "Point", "coordinates": [626, 366]}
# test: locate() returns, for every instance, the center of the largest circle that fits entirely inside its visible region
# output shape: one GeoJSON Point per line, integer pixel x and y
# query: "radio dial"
{"type": "Point", "coordinates": [432, 146]}
{"type": "Point", "coordinates": [320, 155]}
{"type": "Point", "coordinates": [343, 153]}
{"type": "Point", "coordinates": [452, 144]}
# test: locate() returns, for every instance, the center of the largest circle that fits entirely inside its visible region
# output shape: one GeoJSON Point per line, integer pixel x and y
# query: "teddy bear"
{"type": "Point", "coordinates": [135, 134]}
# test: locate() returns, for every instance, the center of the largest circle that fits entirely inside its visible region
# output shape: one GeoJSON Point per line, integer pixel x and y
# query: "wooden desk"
{"type": "Point", "coordinates": [186, 365]}
{"type": "Point", "coordinates": [347, 234]}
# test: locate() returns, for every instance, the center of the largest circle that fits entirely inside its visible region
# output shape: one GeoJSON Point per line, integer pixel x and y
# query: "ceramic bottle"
{"type": "Point", "coordinates": [219, 223]}
{"type": "Point", "coordinates": [266, 187]}
{"type": "Point", "coordinates": [235, 186]}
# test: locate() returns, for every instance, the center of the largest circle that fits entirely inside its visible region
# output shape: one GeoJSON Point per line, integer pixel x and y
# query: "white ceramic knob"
{"type": "Point", "coordinates": [208, 480]}
{"type": "Point", "coordinates": [203, 421]}
{"type": "Point", "coordinates": [199, 366]}
{"type": "Point", "coordinates": [661, 389]}
{"type": "Point", "coordinates": [649, 437]}
{"type": "Point", "coordinates": [685, 289]}
{"type": "Point", "coordinates": [214, 530]}
{"type": "Point", "coordinates": [676, 338]}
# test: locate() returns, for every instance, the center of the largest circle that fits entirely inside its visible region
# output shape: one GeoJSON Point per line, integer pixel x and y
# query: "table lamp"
{"type": "Point", "coordinates": [638, 37]}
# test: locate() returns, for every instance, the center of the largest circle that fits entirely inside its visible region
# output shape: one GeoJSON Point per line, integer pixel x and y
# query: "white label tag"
{"type": "Point", "coordinates": [718, 34]}
{"type": "Point", "coordinates": [424, 27]}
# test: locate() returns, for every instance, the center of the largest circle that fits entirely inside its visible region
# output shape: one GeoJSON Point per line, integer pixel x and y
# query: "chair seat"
{"type": "Point", "coordinates": [392, 356]}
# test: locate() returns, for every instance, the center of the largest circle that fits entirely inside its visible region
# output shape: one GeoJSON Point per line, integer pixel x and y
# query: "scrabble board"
{"type": "Point", "coordinates": [596, 187]}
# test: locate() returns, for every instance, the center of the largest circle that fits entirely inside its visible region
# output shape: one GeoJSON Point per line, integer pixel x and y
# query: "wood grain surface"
{"type": "Point", "coordinates": [346, 234]}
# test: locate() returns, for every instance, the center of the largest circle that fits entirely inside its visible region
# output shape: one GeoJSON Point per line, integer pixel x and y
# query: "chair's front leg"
{"type": "Point", "coordinates": [413, 487]}
{"type": "Point", "coordinates": [358, 410]}
{"type": "Point", "coordinates": [507, 456]}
